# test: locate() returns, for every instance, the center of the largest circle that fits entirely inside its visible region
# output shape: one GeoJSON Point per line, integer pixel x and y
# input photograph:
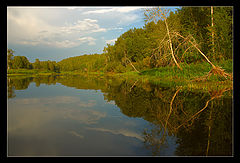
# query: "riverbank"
{"type": "Point", "coordinates": [168, 74]}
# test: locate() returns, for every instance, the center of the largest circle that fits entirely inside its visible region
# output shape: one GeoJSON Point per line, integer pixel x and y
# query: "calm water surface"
{"type": "Point", "coordinates": [99, 116]}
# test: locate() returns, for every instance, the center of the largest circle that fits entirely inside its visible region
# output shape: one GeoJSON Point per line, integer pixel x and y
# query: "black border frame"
{"type": "Point", "coordinates": [3, 70]}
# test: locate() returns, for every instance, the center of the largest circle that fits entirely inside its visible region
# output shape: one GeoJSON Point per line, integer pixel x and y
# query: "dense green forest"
{"type": "Point", "coordinates": [167, 38]}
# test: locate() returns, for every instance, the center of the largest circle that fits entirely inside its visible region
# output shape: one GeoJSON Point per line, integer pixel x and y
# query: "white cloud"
{"type": "Point", "coordinates": [128, 19]}
{"type": "Point", "coordinates": [21, 24]}
{"type": "Point", "coordinates": [28, 29]}
{"type": "Point", "coordinates": [29, 114]}
{"type": "Point", "coordinates": [127, 9]}
{"type": "Point", "coordinates": [63, 44]}
{"type": "Point", "coordinates": [113, 9]}
{"type": "Point", "coordinates": [115, 28]}
{"type": "Point", "coordinates": [60, 44]}
{"type": "Point", "coordinates": [68, 27]}
{"type": "Point", "coordinates": [84, 116]}
{"type": "Point", "coordinates": [89, 40]}
{"type": "Point", "coordinates": [123, 132]}
{"type": "Point", "coordinates": [72, 8]}
{"type": "Point", "coordinates": [86, 26]}
{"type": "Point", "coordinates": [111, 41]}
{"type": "Point", "coordinates": [76, 134]}
{"type": "Point", "coordinates": [116, 15]}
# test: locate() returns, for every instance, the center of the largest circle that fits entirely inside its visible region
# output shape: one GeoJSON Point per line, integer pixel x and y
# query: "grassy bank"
{"type": "Point", "coordinates": [189, 72]}
{"type": "Point", "coordinates": [167, 74]}
{"type": "Point", "coordinates": [29, 72]}
{"type": "Point", "coordinates": [172, 76]}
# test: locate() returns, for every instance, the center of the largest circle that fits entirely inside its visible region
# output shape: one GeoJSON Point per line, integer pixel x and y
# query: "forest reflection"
{"type": "Point", "coordinates": [200, 121]}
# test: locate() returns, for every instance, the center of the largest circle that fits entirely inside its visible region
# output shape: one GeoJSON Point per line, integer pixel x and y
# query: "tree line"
{"type": "Point", "coordinates": [209, 28]}
{"type": "Point", "coordinates": [22, 62]}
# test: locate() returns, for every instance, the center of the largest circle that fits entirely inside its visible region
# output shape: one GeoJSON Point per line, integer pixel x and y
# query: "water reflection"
{"type": "Point", "coordinates": [181, 121]}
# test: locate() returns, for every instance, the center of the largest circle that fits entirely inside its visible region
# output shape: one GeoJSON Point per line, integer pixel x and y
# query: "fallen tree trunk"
{"type": "Point", "coordinates": [197, 49]}
{"type": "Point", "coordinates": [132, 65]}
{"type": "Point", "coordinates": [126, 58]}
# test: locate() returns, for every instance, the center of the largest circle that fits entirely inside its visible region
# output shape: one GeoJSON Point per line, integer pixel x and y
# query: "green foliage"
{"type": "Point", "coordinates": [114, 67]}
{"type": "Point", "coordinates": [120, 68]}
{"type": "Point", "coordinates": [9, 58]}
{"type": "Point", "coordinates": [145, 48]}
{"type": "Point", "coordinates": [223, 28]}
{"type": "Point", "coordinates": [84, 63]}
{"type": "Point", "coordinates": [190, 71]}
{"type": "Point", "coordinates": [36, 64]}
{"type": "Point", "coordinates": [21, 62]}
{"type": "Point", "coordinates": [50, 66]}
{"type": "Point", "coordinates": [197, 22]}
{"type": "Point", "coordinates": [194, 21]}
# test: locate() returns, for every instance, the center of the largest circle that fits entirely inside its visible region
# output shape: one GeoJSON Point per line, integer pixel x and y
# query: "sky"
{"type": "Point", "coordinates": [56, 33]}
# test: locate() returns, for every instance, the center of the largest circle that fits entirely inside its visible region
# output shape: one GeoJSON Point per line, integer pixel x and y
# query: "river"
{"type": "Point", "coordinates": [106, 116]}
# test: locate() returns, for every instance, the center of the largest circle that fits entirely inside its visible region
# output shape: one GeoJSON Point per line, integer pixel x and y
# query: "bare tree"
{"type": "Point", "coordinates": [161, 13]}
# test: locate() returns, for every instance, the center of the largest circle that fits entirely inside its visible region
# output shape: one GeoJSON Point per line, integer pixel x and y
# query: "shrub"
{"type": "Point", "coordinates": [120, 68]}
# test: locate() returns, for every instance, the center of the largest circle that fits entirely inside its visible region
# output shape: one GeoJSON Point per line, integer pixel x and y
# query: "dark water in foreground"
{"type": "Point", "coordinates": [86, 116]}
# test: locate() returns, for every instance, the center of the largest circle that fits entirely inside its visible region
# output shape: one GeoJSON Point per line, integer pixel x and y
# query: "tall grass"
{"type": "Point", "coordinates": [189, 71]}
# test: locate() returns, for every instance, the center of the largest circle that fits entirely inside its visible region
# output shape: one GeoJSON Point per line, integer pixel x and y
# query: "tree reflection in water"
{"type": "Point", "coordinates": [200, 121]}
{"type": "Point", "coordinates": [192, 129]}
